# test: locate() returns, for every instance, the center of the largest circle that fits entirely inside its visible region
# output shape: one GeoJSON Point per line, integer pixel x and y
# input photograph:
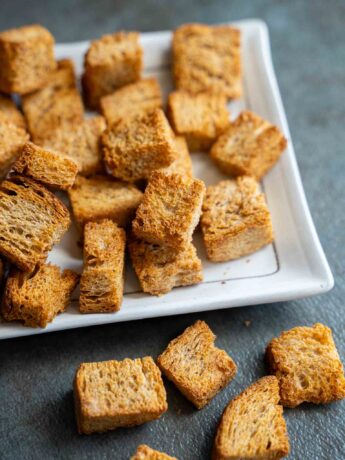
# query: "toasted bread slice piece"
{"type": "Point", "coordinates": [9, 112]}
{"type": "Point", "coordinates": [12, 141]}
{"type": "Point", "coordinates": [36, 299]}
{"type": "Point", "coordinates": [198, 368]}
{"type": "Point", "coordinates": [32, 220]}
{"type": "Point", "coordinates": [170, 210]}
{"type": "Point", "coordinates": [306, 362]}
{"type": "Point", "coordinates": [183, 162]}
{"type": "Point", "coordinates": [112, 394]}
{"type": "Point", "coordinates": [101, 283]}
{"type": "Point", "coordinates": [50, 168]}
{"type": "Point", "coordinates": [145, 452]}
{"type": "Point", "coordinates": [235, 219]}
{"type": "Point", "coordinates": [132, 100]}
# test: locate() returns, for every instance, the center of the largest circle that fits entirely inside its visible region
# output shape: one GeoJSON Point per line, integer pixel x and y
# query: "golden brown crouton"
{"type": "Point", "coordinates": [111, 62]}
{"type": "Point", "coordinates": [27, 59]}
{"type": "Point", "coordinates": [250, 146]}
{"type": "Point", "coordinates": [252, 425]}
{"type": "Point", "coordinates": [170, 210]}
{"type": "Point", "coordinates": [32, 220]}
{"type": "Point", "coordinates": [134, 147]}
{"type": "Point", "coordinates": [198, 368]}
{"type": "Point", "coordinates": [306, 362]}
{"type": "Point", "coordinates": [101, 283]}
{"type": "Point", "coordinates": [207, 58]}
{"type": "Point", "coordinates": [36, 299]}
{"type": "Point", "coordinates": [50, 168]}
{"type": "Point", "coordinates": [9, 112]}
{"type": "Point", "coordinates": [132, 100]}
{"type": "Point", "coordinates": [112, 394]}
{"type": "Point", "coordinates": [201, 118]}
{"type": "Point", "coordinates": [235, 219]}
{"type": "Point", "coordinates": [12, 141]}
{"type": "Point", "coordinates": [145, 452]}
{"type": "Point", "coordinates": [183, 162]}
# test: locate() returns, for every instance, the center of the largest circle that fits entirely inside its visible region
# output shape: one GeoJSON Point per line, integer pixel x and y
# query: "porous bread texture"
{"type": "Point", "coordinates": [112, 394]}
{"type": "Point", "coordinates": [183, 162]}
{"type": "Point", "coordinates": [307, 365]}
{"type": "Point", "coordinates": [201, 117]}
{"type": "Point", "coordinates": [170, 210]}
{"type": "Point", "coordinates": [12, 140]}
{"type": "Point", "coordinates": [81, 143]}
{"type": "Point", "coordinates": [32, 220]}
{"type": "Point", "coordinates": [131, 100]}
{"type": "Point", "coordinates": [207, 58]}
{"type": "Point", "coordinates": [35, 299]}
{"type": "Point", "coordinates": [100, 197]}
{"type": "Point", "coordinates": [252, 425]}
{"type": "Point", "coordinates": [9, 112]}
{"type": "Point", "coordinates": [160, 269]}
{"type": "Point", "coordinates": [135, 147]}
{"type": "Point", "coordinates": [251, 145]}
{"type": "Point", "coordinates": [198, 368]}
{"type": "Point", "coordinates": [145, 452]}
{"type": "Point", "coordinates": [50, 168]}
{"type": "Point", "coordinates": [112, 61]}
{"type": "Point", "coordinates": [235, 219]}
{"type": "Point", "coordinates": [102, 280]}
{"type": "Point", "coordinates": [27, 59]}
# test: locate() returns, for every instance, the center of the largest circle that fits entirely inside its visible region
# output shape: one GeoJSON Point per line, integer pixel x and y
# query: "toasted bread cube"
{"type": "Point", "coordinates": [145, 452]}
{"type": "Point", "coordinates": [9, 112]}
{"type": "Point", "coordinates": [101, 197]}
{"type": "Point", "coordinates": [27, 59]}
{"type": "Point", "coordinates": [36, 299]}
{"type": "Point", "coordinates": [112, 394]}
{"type": "Point", "coordinates": [208, 58]}
{"type": "Point", "coordinates": [32, 220]}
{"type": "Point", "coordinates": [132, 100]}
{"type": "Point", "coordinates": [183, 162]}
{"type": "Point", "coordinates": [201, 118]}
{"type": "Point", "coordinates": [160, 269]}
{"type": "Point", "coordinates": [235, 219]}
{"type": "Point", "coordinates": [170, 210]}
{"type": "Point", "coordinates": [12, 141]}
{"type": "Point", "coordinates": [81, 143]}
{"type": "Point", "coordinates": [251, 145]}
{"type": "Point", "coordinates": [2, 271]}
{"type": "Point", "coordinates": [252, 425]}
{"type": "Point", "coordinates": [102, 280]}
{"type": "Point", "coordinates": [198, 368]}
{"type": "Point", "coordinates": [50, 168]}
{"type": "Point", "coordinates": [306, 362]}
{"type": "Point", "coordinates": [111, 62]}
{"type": "Point", "coordinates": [134, 147]}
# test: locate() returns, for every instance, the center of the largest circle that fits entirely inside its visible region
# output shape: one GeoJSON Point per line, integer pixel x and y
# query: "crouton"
{"type": "Point", "coordinates": [198, 368]}
{"type": "Point", "coordinates": [12, 141]}
{"type": "Point", "coordinates": [307, 365]}
{"type": "Point", "coordinates": [2, 271]}
{"type": "Point", "coordinates": [9, 112]}
{"type": "Point", "coordinates": [183, 162]}
{"type": "Point", "coordinates": [252, 425]}
{"type": "Point", "coordinates": [112, 394]}
{"type": "Point", "coordinates": [235, 219]}
{"type": "Point", "coordinates": [145, 452]}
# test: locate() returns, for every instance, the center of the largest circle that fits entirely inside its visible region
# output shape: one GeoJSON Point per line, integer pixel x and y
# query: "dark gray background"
{"type": "Point", "coordinates": [36, 404]}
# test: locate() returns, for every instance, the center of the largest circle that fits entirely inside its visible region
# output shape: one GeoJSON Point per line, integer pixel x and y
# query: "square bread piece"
{"type": "Point", "coordinates": [36, 299]}
{"type": "Point", "coordinates": [112, 394]}
{"type": "Point", "coordinates": [198, 368]}
{"type": "Point", "coordinates": [183, 162]}
{"type": "Point", "coordinates": [160, 269]}
{"type": "Point", "coordinates": [201, 118]}
{"type": "Point", "coordinates": [81, 143]}
{"type": "Point", "coordinates": [235, 219]}
{"type": "Point", "coordinates": [50, 168]}
{"type": "Point", "coordinates": [27, 59]}
{"type": "Point", "coordinates": [12, 141]}
{"type": "Point", "coordinates": [132, 100]}
{"type": "Point", "coordinates": [135, 147]}
{"type": "Point", "coordinates": [252, 425]}
{"type": "Point", "coordinates": [208, 58]}
{"type": "Point", "coordinates": [111, 62]}
{"type": "Point", "coordinates": [9, 112]}
{"type": "Point", "coordinates": [145, 452]}
{"type": "Point", "coordinates": [306, 362]}
{"type": "Point", "coordinates": [102, 280]}
{"type": "Point", "coordinates": [170, 210]}
{"type": "Point", "coordinates": [250, 146]}
{"type": "Point", "coordinates": [102, 197]}
{"type": "Point", "coordinates": [32, 220]}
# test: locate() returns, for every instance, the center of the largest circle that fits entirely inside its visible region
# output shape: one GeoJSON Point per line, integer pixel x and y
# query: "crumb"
{"type": "Point", "coordinates": [247, 323]}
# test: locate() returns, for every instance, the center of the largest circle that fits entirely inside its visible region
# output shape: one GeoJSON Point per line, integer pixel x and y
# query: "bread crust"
{"type": "Point", "coordinates": [12, 141]}
{"type": "Point", "coordinates": [9, 112]}
{"type": "Point", "coordinates": [145, 452]}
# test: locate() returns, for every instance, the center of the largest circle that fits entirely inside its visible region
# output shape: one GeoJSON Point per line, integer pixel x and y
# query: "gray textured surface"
{"type": "Point", "coordinates": [36, 406]}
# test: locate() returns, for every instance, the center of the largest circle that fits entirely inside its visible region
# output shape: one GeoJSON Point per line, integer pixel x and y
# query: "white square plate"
{"type": "Point", "coordinates": [293, 267]}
